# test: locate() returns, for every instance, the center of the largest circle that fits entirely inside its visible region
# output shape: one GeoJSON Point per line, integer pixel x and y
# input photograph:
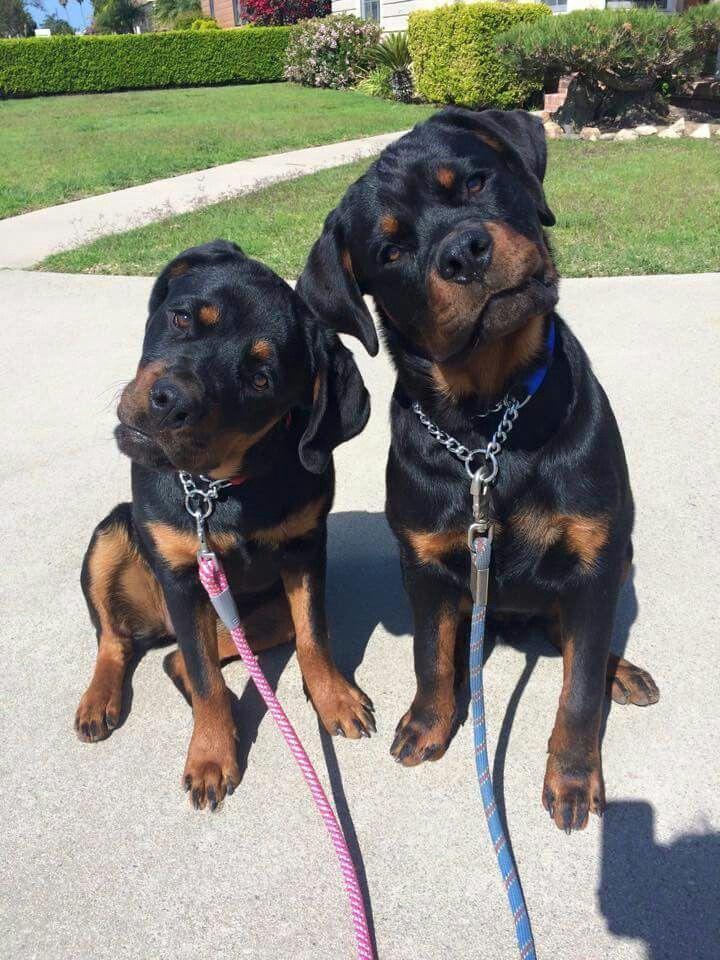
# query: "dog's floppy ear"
{"type": "Point", "coordinates": [520, 137]}
{"type": "Point", "coordinates": [214, 252]}
{"type": "Point", "coordinates": [329, 288]}
{"type": "Point", "coordinates": [340, 402]}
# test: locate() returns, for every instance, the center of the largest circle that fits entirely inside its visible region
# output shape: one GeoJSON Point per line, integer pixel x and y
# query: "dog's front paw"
{"type": "Point", "coordinates": [98, 712]}
{"type": "Point", "coordinates": [342, 707]}
{"type": "Point", "coordinates": [424, 733]}
{"type": "Point", "coordinates": [573, 789]}
{"type": "Point", "coordinates": [211, 769]}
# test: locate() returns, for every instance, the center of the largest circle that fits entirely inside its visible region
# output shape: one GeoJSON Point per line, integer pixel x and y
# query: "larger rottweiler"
{"type": "Point", "coordinates": [236, 381]}
{"type": "Point", "coordinates": [445, 231]}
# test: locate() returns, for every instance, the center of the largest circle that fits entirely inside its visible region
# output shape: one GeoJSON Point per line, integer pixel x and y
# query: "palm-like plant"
{"type": "Point", "coordinates": [393, 53]}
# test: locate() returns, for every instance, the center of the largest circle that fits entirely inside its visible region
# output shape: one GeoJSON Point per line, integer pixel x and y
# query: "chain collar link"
{"type": "Point", "coordinates": [487, 472]}
{"type": "Point", "coordinates": [200, 501]}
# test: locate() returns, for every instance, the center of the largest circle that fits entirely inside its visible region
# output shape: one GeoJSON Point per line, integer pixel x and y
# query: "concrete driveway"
{"type": "Point", "coordinates": [100, 854]}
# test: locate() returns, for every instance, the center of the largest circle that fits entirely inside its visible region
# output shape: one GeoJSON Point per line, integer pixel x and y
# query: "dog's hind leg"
{"type": "Point", "coordinates": [125, 601]}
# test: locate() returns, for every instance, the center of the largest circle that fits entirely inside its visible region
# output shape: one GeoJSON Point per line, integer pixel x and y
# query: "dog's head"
{"type": "Point", "coordinates": [445, 231]}
{"type": "Point", "coordinates": [229, 351]}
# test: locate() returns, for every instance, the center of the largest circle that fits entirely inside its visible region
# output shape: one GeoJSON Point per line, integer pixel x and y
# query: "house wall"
{"type": "Point", "coordinates": [394, 13]}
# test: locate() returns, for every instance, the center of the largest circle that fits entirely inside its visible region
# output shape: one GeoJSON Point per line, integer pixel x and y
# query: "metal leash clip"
{"type": "Point", "coordinates": [200, 503]}
{"type": "Point", "coordinates": [480, 530]}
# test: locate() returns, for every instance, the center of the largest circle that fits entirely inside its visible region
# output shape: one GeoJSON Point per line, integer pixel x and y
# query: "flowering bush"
{"type": "Point", "coordinates": [332, 52]}
{"type": "Point", "coordinates": [278, 13]}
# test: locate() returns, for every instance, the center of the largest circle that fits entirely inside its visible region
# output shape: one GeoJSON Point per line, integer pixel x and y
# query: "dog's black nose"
{"type": "Point", "coordinates": [463, 257]}
{"type": "Point", "coordinates": [171, 406]}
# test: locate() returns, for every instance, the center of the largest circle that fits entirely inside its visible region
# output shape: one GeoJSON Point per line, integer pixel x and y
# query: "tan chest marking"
{"type": "Point", "coordinates": [583, 536]}
{"type": "Point", "coordinates": [297, 524]}
{"type": "Point", "coordinates": [179, 548]}
{"type": "Point", "coordinates": [432, 547]}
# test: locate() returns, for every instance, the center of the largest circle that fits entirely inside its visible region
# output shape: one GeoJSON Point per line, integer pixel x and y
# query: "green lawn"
{"type": "Point", "coordinates": [622, 208]}
{"type": "Point", "coordinates": [54, 149]}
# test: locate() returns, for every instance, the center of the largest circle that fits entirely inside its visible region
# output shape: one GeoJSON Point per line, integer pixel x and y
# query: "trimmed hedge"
{"type": "Point", "coordinates": [454, 55]}
{"type": "Point", "coordinates": [135, 62]}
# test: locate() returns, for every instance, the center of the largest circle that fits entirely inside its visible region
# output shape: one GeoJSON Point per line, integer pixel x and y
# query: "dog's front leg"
{"type": "Point", "coordinates": [211, 769]}
{"type": "Point", "coordinates": [574, 784]}
{"type": "Point", "coordinates": [425, 731]}
{"type": "Point", "coordinates": [342, 707]}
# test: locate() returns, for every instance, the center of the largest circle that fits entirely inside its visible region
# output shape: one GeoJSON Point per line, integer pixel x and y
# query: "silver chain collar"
{"type": "Point", "coordinates": [200, 501]}
{"type": "Point", "coordinates": [480, 479]}
{"type": "Point", "coordinates": [487, 472]}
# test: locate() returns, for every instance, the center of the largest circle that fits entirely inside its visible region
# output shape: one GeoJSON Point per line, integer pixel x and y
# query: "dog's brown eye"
{"type": "Point", "coordinates": [392, 254]}
{"type": "Point", "coordinates": [477, 183]}
{"type": "Point", "coordinates": [180, 320]}
{"type": "Point", "coordinates": [260, 381]}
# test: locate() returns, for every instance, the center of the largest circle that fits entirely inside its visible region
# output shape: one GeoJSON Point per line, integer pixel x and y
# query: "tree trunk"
{"type": "Point", "coordinates": [401, 84]}
{"type": "Point", "coordinates": [588, 102]}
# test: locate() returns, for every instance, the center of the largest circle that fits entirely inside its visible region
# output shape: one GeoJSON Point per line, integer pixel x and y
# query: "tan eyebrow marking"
{"type": "Point", "coordinates": [209, 315]}
{"type": "Point", "coordinates": [445, 177]}
{"type": "Point", "coordinates": [261, 350]}
{"type": "Point", "coordinates": [389, 224]}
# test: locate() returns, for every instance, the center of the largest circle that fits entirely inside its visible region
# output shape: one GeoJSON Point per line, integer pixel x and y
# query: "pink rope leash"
{"type": "Point", "coordinates": [212, 577]}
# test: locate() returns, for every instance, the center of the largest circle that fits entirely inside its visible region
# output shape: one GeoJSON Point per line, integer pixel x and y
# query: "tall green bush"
{"type": "Point", "coordinates": [618, 58]}
{"type": "Point", "coordinates": [454, 54]}
{"type": "Point", "coordinates": [192, 58]}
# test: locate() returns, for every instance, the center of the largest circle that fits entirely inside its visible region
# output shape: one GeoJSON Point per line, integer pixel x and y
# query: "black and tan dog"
{"type": "Point", "coordinates": [445, 231]}
{"type": "Point", "coordinates": [235, 381]}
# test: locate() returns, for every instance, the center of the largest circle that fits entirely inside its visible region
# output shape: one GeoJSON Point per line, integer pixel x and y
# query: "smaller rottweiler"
{"type": "Point", "coordinates": [236, 381]}
{"type": "Point", "coordinates": [445, 232]}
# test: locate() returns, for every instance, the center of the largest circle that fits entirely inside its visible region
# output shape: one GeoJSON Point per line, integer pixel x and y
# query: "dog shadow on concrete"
{"type": "Point", "coordinates": [667, 895]}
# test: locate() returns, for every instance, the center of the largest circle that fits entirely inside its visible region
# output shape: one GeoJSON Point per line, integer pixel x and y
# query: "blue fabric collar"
{"type": "Point", "coordinates": [533, 383]}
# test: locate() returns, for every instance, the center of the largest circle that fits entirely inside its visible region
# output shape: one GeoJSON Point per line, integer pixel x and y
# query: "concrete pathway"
{"type": "Point", "coordinates": [100, 855]}
{"type": "Point", "coordinates": [29, 238]}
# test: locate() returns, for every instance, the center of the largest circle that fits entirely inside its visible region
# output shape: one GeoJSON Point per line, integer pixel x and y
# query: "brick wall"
{"type": "Point", "coordinates": [222, 10]}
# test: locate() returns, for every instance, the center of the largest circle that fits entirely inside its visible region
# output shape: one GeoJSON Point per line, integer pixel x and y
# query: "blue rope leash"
{"type": "Point", "coordinates": [481, 552]}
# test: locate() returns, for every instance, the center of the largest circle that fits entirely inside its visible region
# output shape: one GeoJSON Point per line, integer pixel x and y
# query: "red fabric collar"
{"type": "Point", "coordinates": [240, 478]}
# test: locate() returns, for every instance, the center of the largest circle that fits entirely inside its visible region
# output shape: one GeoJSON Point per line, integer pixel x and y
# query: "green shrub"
{"type": "Point", "coordinates": [617, 47]}
{"type": "Point", "coordinates": [377, 83]}
{"type": "Point", "coordinates": [454, 54]}
{"type": "Point", "coordinates": [704, 23]}
{"type": "Point", "coordinates": [620, 59]}
{"type": "Point", "coordinates": [393, 52]}
{"type": "Point", "coordinates": [175, 14]}
{"type": "Point", "coordinates": [189, 58]}
{"type": "Point", "coordinates": [183, 21]}
{"type": "Point", "coordinates": [330, 51]}
{"type": "Point", "coordinates": [205, 23]}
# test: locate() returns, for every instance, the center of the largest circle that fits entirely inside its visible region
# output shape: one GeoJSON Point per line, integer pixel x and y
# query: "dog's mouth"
{"type": "Point", "coordinates": [141, 448]}
{"type": "Point", "coordinates": [504, 312]}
